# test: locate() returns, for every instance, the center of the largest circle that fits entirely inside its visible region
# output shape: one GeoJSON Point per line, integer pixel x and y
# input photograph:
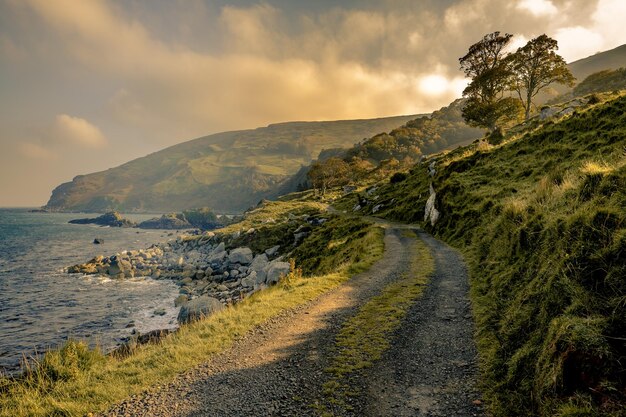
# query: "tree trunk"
{"type": "Point", "coordinates": [528, 103]}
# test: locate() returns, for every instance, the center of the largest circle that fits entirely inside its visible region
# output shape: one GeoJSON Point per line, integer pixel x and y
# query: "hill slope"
{"type": "Point", "coordinates": [607, 60]}
{"type": "Point", "coordinates": [227, 171]}
{"type": "Point", "coordinates": [542, 221]}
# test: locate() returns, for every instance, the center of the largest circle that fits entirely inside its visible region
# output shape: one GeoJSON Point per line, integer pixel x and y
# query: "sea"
{"type": "Point", "coordinates": [41, 306]}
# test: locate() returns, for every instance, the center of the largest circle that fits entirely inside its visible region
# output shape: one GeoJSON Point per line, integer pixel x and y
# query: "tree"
{"type": "Point", "coordinates": [329, 173]}
{"type": "Point", "coordinates": [534, 67]}
{"type": "Point", "coordinates": [486, 64]}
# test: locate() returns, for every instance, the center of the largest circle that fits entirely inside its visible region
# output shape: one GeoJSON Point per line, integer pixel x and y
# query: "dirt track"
{"type": "Point", "coordinates": [278, 369]}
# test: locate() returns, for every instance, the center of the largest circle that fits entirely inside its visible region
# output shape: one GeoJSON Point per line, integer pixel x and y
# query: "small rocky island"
{"type": "Point", "coordinates": [202, 218]}
{"type": "Point", "coordinates": [112, 219]}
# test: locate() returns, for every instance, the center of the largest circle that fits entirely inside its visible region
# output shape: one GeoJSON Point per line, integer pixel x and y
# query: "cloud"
{"type": "Point", "coordinates": [578, 42]}
{"type": "Point", "coordinates": [538, 7]}
{"type": "Point", "coordinates": [34, 151]}
{"type": "Point", "coordinates": [78, 131]}
{"type": "Point", "coordinates": [264, 64]}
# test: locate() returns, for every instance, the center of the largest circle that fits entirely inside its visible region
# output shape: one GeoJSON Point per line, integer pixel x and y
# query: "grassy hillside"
{"type": "Point", "coordinates": [228, 171]}
{"type": "Point", "coordinates": [602, 81]}
{"type": "Point", "coordinates": [542, 221]}
{"type": "Point", "coordinates": [401, 147]}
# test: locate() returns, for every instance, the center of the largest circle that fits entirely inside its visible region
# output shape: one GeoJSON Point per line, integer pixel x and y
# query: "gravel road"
{"type": "Point", "coordinates": [276, 370]}
{"type": "Point", "coordinates": [430, 369]}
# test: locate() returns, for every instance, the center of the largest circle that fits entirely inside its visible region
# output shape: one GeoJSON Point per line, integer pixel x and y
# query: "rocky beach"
{"type": "Point", "coordinates": [211, 269]}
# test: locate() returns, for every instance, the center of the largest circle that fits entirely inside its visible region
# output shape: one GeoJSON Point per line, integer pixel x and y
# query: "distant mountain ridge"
{"type": "Point", "coordinates": [231, 171]}
{"type": "Point", "coordinates": [227, 171]}
{"type": "Point", "coordinates": [607, 60]}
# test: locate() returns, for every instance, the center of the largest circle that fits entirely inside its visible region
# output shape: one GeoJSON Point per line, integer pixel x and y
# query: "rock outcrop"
{"type": "Point", "coordinates": [112, 219]}
{"type": "Point", "coordinates": [169, 221]}
{"type": "Point", "coordinates": [430, 212]}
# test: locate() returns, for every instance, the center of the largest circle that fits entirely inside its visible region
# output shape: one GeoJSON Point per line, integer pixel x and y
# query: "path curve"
{"type": "Point", "coordinates": [278, 369]}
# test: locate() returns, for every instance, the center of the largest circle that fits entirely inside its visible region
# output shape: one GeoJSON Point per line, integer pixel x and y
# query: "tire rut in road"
{"type": "Point", "coordinates": [430, 369]}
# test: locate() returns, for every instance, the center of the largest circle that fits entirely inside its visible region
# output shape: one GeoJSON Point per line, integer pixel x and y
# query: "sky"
{"type": "Point", "coordinates": [86, 85]}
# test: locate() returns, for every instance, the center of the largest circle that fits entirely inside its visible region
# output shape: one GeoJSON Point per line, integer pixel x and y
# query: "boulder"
{"type": "Point", "coordinates": [98, 241]}
{"type": "Point", "coordinates": [275, 270]}
{"type": "Point", "coordinates": [241, 256]}
{"type": "Point", "coordinates": [259, 263]}
{"type": "Point", "coordinates": [272, 251]}
{"type": "Point", "coordinates": [548, 112]}
{"type": "Point", "coordinates": [217, 257]}
{"type": "Point", "coordinates": [115, 267]}
{"type": "Point", "coordinates": [249, 281]}
{"type": "Point", "coordinates": [198, 308]}
{"type": "Point", "coordinates": [298, 237]}
{"type": "Point", "coordinates": [260, 276]}
{"type": "Point", "coordinates": [219, 248]}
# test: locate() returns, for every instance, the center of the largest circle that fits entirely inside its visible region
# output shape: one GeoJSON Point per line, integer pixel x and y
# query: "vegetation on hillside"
{"type": "Point", "coordinates": [602, 81]}
{"type": "Point", "coordinates": [487, 66]}
{"type": "Point", "coordinates": [534, 67]}
{"type": "Point", "coordinates": [385, 153]}
{"type": "Point", "coordinates": [495, 74]}
{"type": "Point", "coordinates": [542, 221]}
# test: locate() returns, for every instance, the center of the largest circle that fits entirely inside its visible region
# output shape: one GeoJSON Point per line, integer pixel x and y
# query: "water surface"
{"type": "Point", "coordinates": [41, 306]}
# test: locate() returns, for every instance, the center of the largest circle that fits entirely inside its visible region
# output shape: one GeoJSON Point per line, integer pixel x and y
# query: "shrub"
{"type": "Point", "coordinates": [398, 177]}
{"type": "Point", "coordinates": [594, 99]}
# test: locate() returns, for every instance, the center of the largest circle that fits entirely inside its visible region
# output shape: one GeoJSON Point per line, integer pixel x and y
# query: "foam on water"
{"type": "Point", "coordinates": [41, 306]}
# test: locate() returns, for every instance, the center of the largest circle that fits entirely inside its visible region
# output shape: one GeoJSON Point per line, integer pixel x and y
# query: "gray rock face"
{"type": "Point", "coordinates": [275, 270]}
{"type": "Point", "coordinates": [259, 263]}
{"type": "Point", "coordinates": [198, 308]}
{"type": "Point", "coordinates": [272, 251]}
{"type": "Point", "coordinates": [430, 212]}
{"type": "Point", "coordinates": [241, 256]}
{"type": "Point", "coordinates": [431, 169]}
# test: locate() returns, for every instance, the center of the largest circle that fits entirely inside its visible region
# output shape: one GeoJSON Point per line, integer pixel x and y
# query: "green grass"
{"type": "Point", "coordinates": [366, 336]}
{"type": "Point", "coordinates": [75, 380]}
{"type": "Point", "coordinates": [541, 219]}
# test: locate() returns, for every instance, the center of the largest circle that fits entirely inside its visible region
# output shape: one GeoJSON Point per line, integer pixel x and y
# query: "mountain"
{"type": "Point", "coordinates": [607, 60]}
{"type": "Point", "coordinates": [227, 171]}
